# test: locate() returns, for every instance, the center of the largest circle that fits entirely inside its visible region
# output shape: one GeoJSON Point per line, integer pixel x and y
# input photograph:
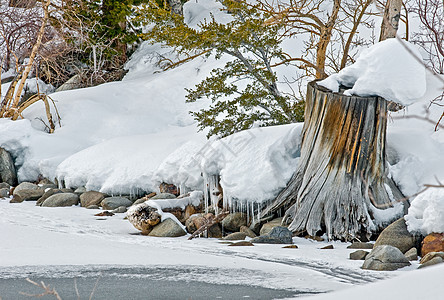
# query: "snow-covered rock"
{"type": "Point", "coordinates": [426, 213]}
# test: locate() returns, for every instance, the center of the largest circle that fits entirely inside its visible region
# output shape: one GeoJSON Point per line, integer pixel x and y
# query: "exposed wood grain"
{"type": "Point", "coordinates": [341, 178]}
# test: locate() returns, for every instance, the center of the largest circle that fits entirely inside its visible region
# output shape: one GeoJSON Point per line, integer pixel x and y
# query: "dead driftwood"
{"type": "Point", "coordinates": [208, 223]}
{"type": "Point", "coordinates": [341, 181]}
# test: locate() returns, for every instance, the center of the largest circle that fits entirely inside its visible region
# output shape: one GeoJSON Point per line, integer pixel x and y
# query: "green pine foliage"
{"type": "Point", "coordinates": [245, 91]}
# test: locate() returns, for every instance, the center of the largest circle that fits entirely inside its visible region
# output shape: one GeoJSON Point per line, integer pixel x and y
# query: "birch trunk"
{"type": "Point", "coordinates": [390, 21]}
{"type": "Point", "coordinates": [341, 178]}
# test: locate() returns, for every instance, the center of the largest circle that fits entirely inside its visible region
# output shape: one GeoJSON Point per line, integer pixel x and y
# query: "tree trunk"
{"type": "Point", "coordinates": [341, 181]}
{"type": "Point", "coordinates": [390, 21]}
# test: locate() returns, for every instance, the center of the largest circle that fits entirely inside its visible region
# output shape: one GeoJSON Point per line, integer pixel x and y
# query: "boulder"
{"type": "Point", "coordinates": [196, 221]}
{"type": "Point", "coordinates": [4, 185]}
{"type": "Point", "coordinates": [267, 227]}
{"type": "Point", "coordinates": [30, 195]}
{"type": "Point", "coordinates": [90, 198]}
{"type": "Point", "coordinates": [4, 192]}
{"type": "Point", "coordinates": [235, 236]}
{"type": "Point", "coordinates": [234, 221]}
{"type": "Point", "coordinates": [25, 186]}
{"type": "Point", "coordinates": [358, 255]}
{"type": "Point", "coordinates": [45, 181]}
{"type": "Point", "coordinates": [139, 201]}
{"type": "Point", "coordinates": [44, 187]}
{"type": "Point", "coordinates": [115, 202]}
{"type": "Point", "coordinates": [243, 243]}
{"type": "Point", "coordinates": [169, 188]}
{"type": "Point", "coordinates": [385, 258]}
{"type": "Point", "coordinates": [93, 207]}
{"type": "Point", "coordinates": [60, 200]}
{"type": "Point", "coordinates": [8, 173]}
{"type": "Point", "coordinates": [143, 217]}
{"type": "Point", "coordinates": [290, 247]}
{"type": "Point", "coordinates": [278, 235]}
{"type": "Point", "coordinates": [16, 199]}
{"type": "Point", "coordinates": [360, 245]}
{"type": "Point", "coordinates": [163, 196]}
{"type": "Point", "coordinates": [328, 247]}
{"type": "Point", "coordinates": [430, 256]}
{"type": "Point", "coordinates": [47, 194]}
{"type": "Point", "coordinates": [189, 211]}
{"type": "Point", "coordinates": [248, 232]}
{"type": "Point", "coordinates": [80, 190]}
{"type": "Point", "coordinates": [168, 228]}
{"type": "Point", "coordinates": [434, 242]}
{"type": "Point", "coordinates": [74, 82]}
{"type": "Point", "coordinates": [120, 210]}
{"type": "Point", "coordinates": [397, 235]}
{"type": "Point", "coordinates": [434, 261]}
{"type": "Point", "coordinates": [412, 254]}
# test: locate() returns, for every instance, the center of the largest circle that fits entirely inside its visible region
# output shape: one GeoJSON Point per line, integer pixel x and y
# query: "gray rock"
{"type": "Point", "coordinates": [91, 198]}
{"type": "Point", "coordinates": [46, 195]}
{"type": "Point", "coordinates": [397, 235]}
{"type": "Point", "coordinates": [430, 256]}
{"type": "Point", "coordinates": [434, 261]}
{"type": "Point", "coordinates": [168, 228]}
{"type": "Point", "coordinates": [73, 83]}
{"type": "Point", "coordinates": [248, 232]}
{"type": "Point", "coordinates": [267, 227]}
{"type": "Point", "coordinates": [234, 221]}
{"type": "Point", "coordinates": [44, 187]}
{"type": "Point", "coordinates": [278, 235]}
{"type": "Point", "coordinates": [30, 195]}
{"type": "Point", "coordinates": [8, 173]}
{"type": "Point", "coordinates": [25, 186]}
{"type": "Point", "coordinates": [4, 192]}
{"type": "Point", "coordinates": [120, 210]}
{"type": "Point", "coordinates": [138, 201]}
{"type": "Point", "coordinates": [4, 185]}
{"type": "Point", "coordinates": [93, 207]}
{"type": "Point", "coordinates": [45, 181]}
{"type": "Point", "coordinates": [235, 236]}
{"type": "Point", "coordinates": [358, 255]}
{"type": "Point", "coordinates": [385, 258]}
{"type": "Point", "coordinates": [80, 190]}
{"type": "Point", "coordinates": [241, 244]}
{"type": "Point", "coordinates": [412, 254]}
{"type": "Point", "coordinates": [60, 200]}
{"type": "Point", "coordinates": [164, 196]}
{"type": "Point", "coordinates": [360, 245]}
{"type": "Point", "coordinates": [115, 202]}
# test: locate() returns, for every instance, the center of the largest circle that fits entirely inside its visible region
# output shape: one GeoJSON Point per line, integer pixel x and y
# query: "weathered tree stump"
{"type": "Point", "coordinates": [341, 182]}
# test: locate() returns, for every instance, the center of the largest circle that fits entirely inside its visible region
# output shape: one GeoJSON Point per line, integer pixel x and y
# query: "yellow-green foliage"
{"type": "Point", "coordinates": [254, 46]}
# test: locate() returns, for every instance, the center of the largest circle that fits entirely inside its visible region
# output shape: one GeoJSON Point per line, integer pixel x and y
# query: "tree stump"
{"type": "Point", "coordinates": [341, 182]}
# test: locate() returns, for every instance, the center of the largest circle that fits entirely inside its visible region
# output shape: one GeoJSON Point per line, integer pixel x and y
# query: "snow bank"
{"type": "Point", "coordinates": [195, 198]}
{"type": "Point", "coordinates": [254, 165]}
{"type": "Point", "coordinates": [391, 69]}
{"type": "Point", "coordinates": [426, 214]}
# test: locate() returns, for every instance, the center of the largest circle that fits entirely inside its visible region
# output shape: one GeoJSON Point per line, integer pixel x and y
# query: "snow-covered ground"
{"type": "Point", "coordinates": [34, 237]}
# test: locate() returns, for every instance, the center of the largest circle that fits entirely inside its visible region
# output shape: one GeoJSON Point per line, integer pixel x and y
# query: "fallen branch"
{"type": "Point", "coordinates": [208, 223]}
{"type": "Point", "coordinates": [47, 290]}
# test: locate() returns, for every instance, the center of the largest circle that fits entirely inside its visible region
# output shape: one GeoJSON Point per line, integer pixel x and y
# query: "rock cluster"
{"type": "Point", "coordinates": [394, 248]}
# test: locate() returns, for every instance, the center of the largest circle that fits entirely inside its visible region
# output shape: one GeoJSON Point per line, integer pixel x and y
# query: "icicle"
{"type": "Point", "coordinates": [205, 180]}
